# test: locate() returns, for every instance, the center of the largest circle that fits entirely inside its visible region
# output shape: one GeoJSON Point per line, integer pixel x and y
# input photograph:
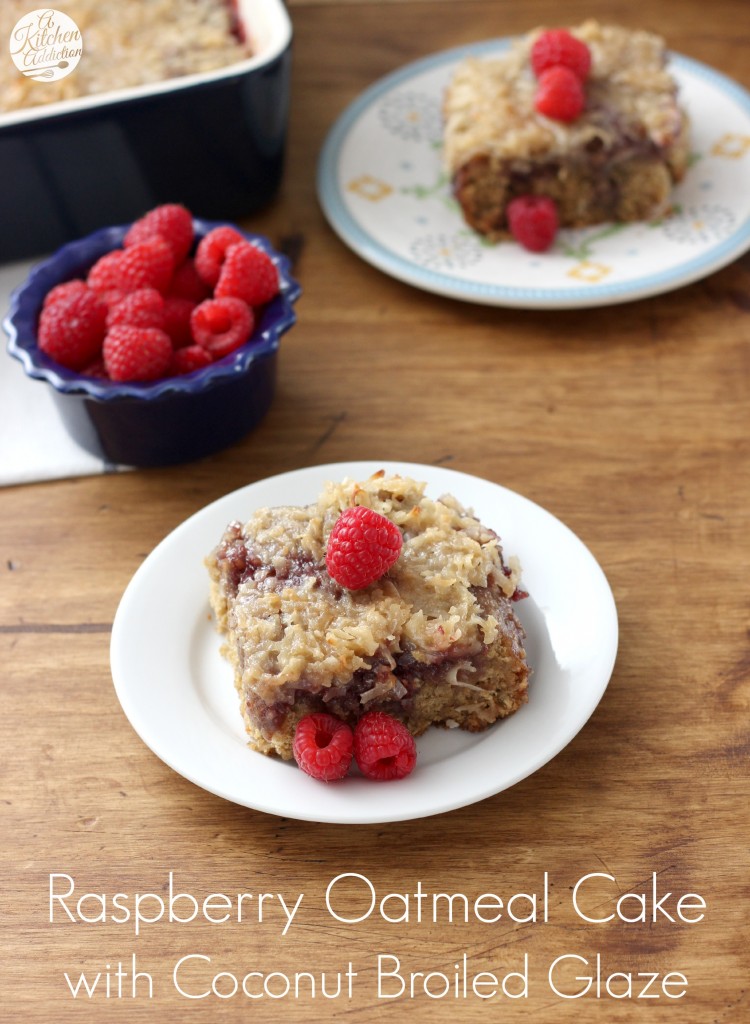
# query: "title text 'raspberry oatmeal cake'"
{"type": "Point", "coordinates": [615, 160]}
{"type": "Point", "coordinates": [433, 641]}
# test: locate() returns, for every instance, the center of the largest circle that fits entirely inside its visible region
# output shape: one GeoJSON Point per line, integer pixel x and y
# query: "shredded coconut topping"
{"type": "Point", "coordinates": [300, 630]}
{"type": "Point", "coordinates": [489, 105]}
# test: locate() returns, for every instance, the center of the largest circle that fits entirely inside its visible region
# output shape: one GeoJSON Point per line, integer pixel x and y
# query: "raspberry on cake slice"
{"type": "Point", "coordinates": [432, 640]}
{"type": "Point", "coordinates": [605, 138]}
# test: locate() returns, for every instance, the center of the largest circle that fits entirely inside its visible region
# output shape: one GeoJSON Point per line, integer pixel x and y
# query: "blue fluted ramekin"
{"type": "Point", "coordinates": [163, 422]}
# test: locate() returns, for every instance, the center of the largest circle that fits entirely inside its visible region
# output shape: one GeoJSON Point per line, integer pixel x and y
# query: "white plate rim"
{"type": "Point", "coordinates": [440, 283]}
{"type": "Point", "coordinates": [314, 801]}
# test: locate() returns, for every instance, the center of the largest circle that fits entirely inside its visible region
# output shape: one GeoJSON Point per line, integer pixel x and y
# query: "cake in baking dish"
{"type": "Point", "coordinates": [616, 161]}
{"type": "Point", "coordinates": [433, 641]}
{"type": "Point", "coordinates": [125, 44]}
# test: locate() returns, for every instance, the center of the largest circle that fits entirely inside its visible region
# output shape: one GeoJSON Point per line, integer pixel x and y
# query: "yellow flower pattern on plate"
{"type": "Point", "coordinates": [372, 189]}
{"type": "Point", "coordinates": [589, 272]}
{"type": "Point", "coordinates": [731, 146]}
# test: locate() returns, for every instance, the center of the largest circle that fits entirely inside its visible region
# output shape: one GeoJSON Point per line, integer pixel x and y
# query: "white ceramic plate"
{"type": "Point", "coordinates": [179, 695]}
{"type": "Point", "coordinates": [383, 188]}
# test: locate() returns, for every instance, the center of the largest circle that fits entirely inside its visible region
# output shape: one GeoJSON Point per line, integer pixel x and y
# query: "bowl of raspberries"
{"type": "Point", "coordinates": [159, 339]}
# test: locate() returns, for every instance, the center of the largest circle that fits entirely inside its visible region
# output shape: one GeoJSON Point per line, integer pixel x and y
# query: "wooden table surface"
{"type": "Point", "coordinates": [628, 423]}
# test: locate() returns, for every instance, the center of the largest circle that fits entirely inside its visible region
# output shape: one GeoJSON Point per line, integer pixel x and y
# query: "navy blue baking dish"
{"type": "Point", "coordinates": [212, 141]}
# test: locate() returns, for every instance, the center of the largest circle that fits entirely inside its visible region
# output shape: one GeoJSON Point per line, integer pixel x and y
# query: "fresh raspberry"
{"type": "Point", "coordinates": [71, 330]}
{"type": "Point", "coordinates": [221, 325]}
{"type": "Point", "coordinates": [212, 248]}
{"type": "Point", "coordinates": [185, 360]}
{"type": "Point", "coordinates": [177, 314]}
{"type": "Point", "coordinates": [248, 274]}
{"type": "Point", "coordinates": [383, 747]}
{"type": "Point", "coordinates": [560, 94]}
{"type": "Point", "coordinates": [62, 291]}
{"type": "Point", "coordinates": [533, 221]}
{"type": "Point", "coordinates": [322, 746]}
{"type": "Point", "coordinates": [136, 353]}
{"type": "Point", "coordinates": [558, 46]}
{"type": "Point", "coordinates": [106, 274]}
{"type": "Point", "coordinates": [112, 297]}
{"type": "Point", "coordinates": [142, 308]}
{"type": "Point", "coordinates": [148, 264]}
{"type": "Point", "coordinates": [171, 222]}
{"type": "Point", "coordinates": [188, 284]}
{"type": "Point", "coordinates": [362, 546]}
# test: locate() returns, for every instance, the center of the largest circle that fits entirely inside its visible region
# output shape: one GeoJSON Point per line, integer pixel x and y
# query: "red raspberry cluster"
{"type": "Point", "coordinates": [383, 747]}
{"type": "Point", "coordinates": [561, 62]}
{"type": "Point", "coordinates": [362, 546]}
{"type": "Point", "coordinates": [151, 309]}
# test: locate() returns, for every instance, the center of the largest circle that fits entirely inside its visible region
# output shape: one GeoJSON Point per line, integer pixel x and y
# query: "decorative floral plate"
{"type": "Point", "coordinates": [384, 190]}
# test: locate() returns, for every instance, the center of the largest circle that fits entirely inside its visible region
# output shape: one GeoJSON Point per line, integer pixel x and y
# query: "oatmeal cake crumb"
{"type": "Point", "coordinates": [617, 161]}
{"type": "Point", "coordinates": [435, 640]}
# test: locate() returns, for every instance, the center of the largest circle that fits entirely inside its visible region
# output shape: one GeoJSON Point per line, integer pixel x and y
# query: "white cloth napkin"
{"type": "Point", "coordinates": [34, 444]}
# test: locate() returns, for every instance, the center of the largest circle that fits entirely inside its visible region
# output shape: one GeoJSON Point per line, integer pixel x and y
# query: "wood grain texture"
{"type": "Point", "coordinates": [630, 424]}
